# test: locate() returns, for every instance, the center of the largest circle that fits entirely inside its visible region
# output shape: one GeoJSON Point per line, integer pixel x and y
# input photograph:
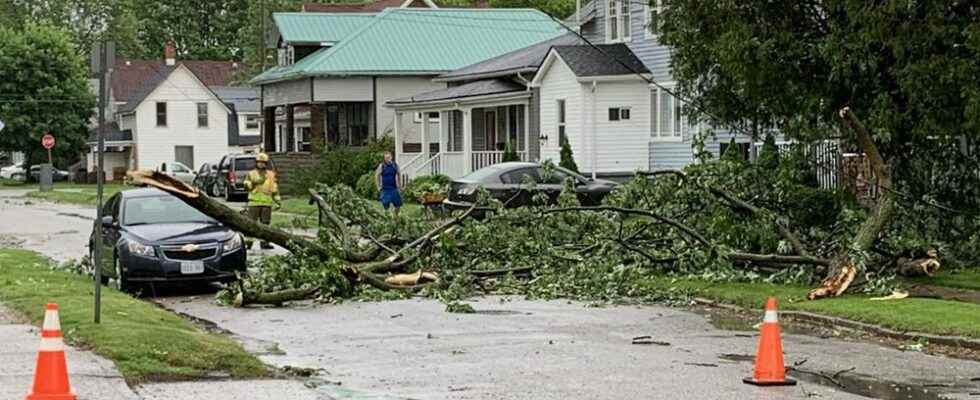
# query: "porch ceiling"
{"type": "Point", "coordinates": [478, 91]}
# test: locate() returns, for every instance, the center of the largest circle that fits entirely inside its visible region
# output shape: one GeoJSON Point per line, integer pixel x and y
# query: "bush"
{"type": "Point", "coordinates": [367, 187]}
{"type": "Point", "coordinates": [426, 184]}
{"type": "Point", "coordinates": [567, 159]}
{"type": "Point", "coordinates": [510, 154]}
{"type": "Point", "coordinates": [340, 165]}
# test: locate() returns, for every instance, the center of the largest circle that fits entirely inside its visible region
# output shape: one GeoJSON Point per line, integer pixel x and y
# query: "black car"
{"type": "Point", "coordinates": [507, 182]}
{"type": "Point", "coordinates": [229, 179]}
{"type": "Point", "coordinates": [150, 236]}
{"type": "Point", "coordinates": [205, 177]}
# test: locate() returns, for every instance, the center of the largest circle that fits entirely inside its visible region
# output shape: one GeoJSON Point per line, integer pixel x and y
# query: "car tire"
{"type": "Point", "coordinates": [212, 189]}
{"type": "Point", "coordinates": [229, 197]}
{"type": "Point", "coordinates": [18, 177]}
{"type": "Point", "coordinates": [120, 282]}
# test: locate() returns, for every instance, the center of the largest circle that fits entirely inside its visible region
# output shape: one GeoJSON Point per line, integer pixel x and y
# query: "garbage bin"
{"type": "Point", "coordinates": [47, 177]}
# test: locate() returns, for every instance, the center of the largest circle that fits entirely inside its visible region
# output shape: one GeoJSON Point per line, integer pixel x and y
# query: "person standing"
{"type": "Point", "coordinates": [388, 179]}
{"type": "Point", "coordinates": [263, 193]}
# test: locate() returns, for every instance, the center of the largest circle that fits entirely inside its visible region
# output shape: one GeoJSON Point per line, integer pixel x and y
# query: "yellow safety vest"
{"type": "Point", "coordinates": [262, 192]}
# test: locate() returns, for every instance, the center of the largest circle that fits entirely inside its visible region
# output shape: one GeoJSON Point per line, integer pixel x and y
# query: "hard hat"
{"type": "Point", "coordinates": [262, 157]}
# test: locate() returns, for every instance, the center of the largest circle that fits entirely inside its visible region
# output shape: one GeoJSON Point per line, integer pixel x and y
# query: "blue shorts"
{"type": "Point", "coordinates": [391, 197]}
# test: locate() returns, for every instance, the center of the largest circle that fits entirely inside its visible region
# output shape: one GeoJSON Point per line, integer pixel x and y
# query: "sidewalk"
{"type": "Point", "coordinates": [91, 376]}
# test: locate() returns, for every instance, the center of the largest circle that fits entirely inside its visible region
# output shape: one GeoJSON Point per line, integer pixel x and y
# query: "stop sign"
{"type": "Point", "coordinates": [47, 141]}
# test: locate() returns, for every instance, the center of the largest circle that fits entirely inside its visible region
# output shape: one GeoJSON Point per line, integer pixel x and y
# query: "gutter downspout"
{"type": "Point", "coordinates": [595, 117]}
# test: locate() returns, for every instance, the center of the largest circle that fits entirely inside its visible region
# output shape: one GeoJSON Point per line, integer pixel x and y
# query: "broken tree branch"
{"type": "Point", "coordinates": [632, 211]}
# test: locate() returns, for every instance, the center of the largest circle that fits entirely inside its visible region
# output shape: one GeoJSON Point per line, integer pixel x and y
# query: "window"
{"type": "Point", "coordinates": [161, 114]}
{"type": "Point", "coordinates": [251, 122]}
{"type": "Point", "coordinates": [358, 117]}
{"type": "Point", "coordinates": [561, 122]}
{"type": "Point", "coordinates": [618, 21]}
{"type": "Point", "coordinates": [433, 117]}
{"type": "Point", "coordinates": [667, 120]}
{"type": "Point", "coordinates": [619, 114]}
{"type": "Point", "coordinates": [202, 115]}
{"type": "Point", "coordinates": [655, 10]}
{"type": "Point", "coordinates": [303, 136]}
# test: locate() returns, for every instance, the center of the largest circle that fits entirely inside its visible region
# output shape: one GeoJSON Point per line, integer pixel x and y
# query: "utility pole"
{"type": "Point", "coordinates": [105, 53]}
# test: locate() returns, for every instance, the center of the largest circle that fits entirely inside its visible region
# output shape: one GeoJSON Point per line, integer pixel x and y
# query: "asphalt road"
{"type": "Point", "coordinates": [512, 348]}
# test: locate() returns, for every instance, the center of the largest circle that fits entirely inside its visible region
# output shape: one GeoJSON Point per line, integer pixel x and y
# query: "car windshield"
{"type": "Point", "coordinates": [161, 210]}
{"type": "Point", "coordinates": [244, 164]}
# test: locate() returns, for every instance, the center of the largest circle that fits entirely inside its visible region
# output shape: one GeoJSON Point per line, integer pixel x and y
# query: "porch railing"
{"type": "Point", "coordinates": [487, 158]}
{"type": "Point", "coordinates": [408, 168]}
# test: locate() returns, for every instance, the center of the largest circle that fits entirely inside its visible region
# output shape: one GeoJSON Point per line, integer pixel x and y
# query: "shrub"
{"type": "Point", "coordinates": [510, 154]}
{"type": "Point", "coordinates": [426, 184]}
{"type": "Point", "coordinates": [367, 187]}
{"type": "Point", "coordinates": [567, 159]}
{"type": "Point", "coordinates": [340, 165]}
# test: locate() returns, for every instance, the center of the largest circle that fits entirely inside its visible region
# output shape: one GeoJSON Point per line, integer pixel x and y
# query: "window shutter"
{"type": "Point", "coordinates": [654, 113]}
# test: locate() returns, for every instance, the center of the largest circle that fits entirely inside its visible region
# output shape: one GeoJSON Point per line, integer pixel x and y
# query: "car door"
{"type": "Point", "coordinates": [551, 181]}
{"type": "Point", "coordinates": [221, 175]}
{"type": "Point", "coordinates": [110, 234]}
{"type": "Point", "coordinates": [515, 184]}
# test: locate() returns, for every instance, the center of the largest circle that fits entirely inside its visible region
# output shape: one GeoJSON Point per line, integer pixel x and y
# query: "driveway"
{"type": "Point", "coordinates": [511, 348]}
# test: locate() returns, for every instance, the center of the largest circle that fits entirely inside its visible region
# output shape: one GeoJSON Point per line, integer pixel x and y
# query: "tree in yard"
{"type": "Point", "coordinates": [44, 90]}
{"type": "Point", "coordinates": [510, 153]}
{"type": "Point", "coordinates": [567, 159]}
{"type": "Point", "coordinates": [894, 78]}
{"type": "Point", "coordinates": [86, 21]}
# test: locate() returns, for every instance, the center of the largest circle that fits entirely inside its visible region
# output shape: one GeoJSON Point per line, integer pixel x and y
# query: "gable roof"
{"type": "Point", "coordinates": [372, 6]}
{"type": "Point", "coordinates": [407, 41]}
{"type": "Point", "coordinates": [484, 87]}
{"type": "Point", "coordinates": [294, 27]}
{"type": "Point", "coordinates": [130, 77]}
{"type": "Point", "coordinates": [528, 59]}
{"type": "Point", "coordinates": [589, 61]}
{"type": "Point", "coordinates": [153, 81]}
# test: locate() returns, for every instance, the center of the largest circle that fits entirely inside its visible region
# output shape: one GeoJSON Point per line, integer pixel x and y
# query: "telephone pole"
{"type": "Point", "coordinates": [105, 51]}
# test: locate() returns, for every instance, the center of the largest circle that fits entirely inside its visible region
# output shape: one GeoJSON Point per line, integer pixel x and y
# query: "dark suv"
{"type": "Point", "coordinates": [230, 176]}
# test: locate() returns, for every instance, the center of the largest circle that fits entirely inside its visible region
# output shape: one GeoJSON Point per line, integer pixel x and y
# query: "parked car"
{"type": "Point", "coordinates": [13, 172]}
{"type": "Point", "coordinates": [180, 171]}
{"type": "Point", "coordinates": [205, 177]}
{"type": "Point", "coordinates": [230, 177]}
{"type": "Point", "coordinates": [507, 182]}
{"type": "Point", "coordinates": [150, 236]}
{"type": "Point", "coordinates": [57, 175]}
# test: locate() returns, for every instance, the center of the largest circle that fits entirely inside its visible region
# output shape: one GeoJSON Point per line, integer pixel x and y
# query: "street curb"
{"type": "Point", "coordinates": [805, 316]}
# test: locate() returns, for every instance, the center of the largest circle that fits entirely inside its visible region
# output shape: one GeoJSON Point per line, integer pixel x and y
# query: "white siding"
{"type": "Point", "coordinates": [560, 83]}
{"type": "Point", "coordinates": [620, 146]}
{"type": "Point", "coordinates": [181, 91]}
{"type": "Point", "coordinates": [390, 88]}
{"type": "Point", "coordinates": [287, 92]}
{"type": "Point", "coordinates": [343, 89]}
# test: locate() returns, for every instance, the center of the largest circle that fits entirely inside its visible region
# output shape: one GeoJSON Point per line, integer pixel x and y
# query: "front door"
{"type": "Point", "coordinates": [184, 155]}
{"type": "Point", "coordinates": [333, 124]}
{"type": "Point", "coordinates": [490, 128]}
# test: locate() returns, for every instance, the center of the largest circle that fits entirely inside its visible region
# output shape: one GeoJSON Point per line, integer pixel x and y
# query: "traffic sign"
{"type": "Point", "coordinates": [47, 141]}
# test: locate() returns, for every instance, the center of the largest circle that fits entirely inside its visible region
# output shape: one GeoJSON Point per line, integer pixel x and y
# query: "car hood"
{"type": "Point", "coordinates": [179, 233]}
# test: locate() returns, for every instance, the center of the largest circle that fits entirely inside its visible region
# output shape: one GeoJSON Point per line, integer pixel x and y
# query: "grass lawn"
{"type": "Point", "coordinates": [962, 279]}
{"type": "Point", "coordinates": [11, 184]}
{"type": "Point", "coordinates": [82, 194]}
{"type": "Point", "coordinates": [911, 314]}
{"type": "Point", "coordinates": [146, 342]}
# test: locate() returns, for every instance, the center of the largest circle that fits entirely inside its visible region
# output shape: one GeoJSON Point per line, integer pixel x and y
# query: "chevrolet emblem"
{"type": "Point", "coordinates": [190, 248]}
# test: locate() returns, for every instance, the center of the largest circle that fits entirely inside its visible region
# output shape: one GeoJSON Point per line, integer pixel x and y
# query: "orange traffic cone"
{"type": "Point", "coordinates": [51, 375]}
{"type": "Point", "coordinates": [769, 368]}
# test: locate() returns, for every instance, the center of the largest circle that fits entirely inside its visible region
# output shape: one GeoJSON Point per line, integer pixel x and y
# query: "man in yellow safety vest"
{"type": "Point", "coordinates": [263, 192]}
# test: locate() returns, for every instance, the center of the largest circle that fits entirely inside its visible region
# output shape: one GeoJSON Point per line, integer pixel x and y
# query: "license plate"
{"type": "Point", "coordinates": [193, 267]}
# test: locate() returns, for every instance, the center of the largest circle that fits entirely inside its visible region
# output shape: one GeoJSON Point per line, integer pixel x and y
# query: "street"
{"type": "Point", "coordinates": [509, 349]}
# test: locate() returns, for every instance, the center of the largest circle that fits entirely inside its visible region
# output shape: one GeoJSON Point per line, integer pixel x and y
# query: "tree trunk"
{"type": "Point", "coordinates": [847, 265]}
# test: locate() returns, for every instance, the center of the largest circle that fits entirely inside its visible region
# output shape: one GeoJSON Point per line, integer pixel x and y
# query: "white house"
{"type": "Point", "coordinates": [166, 111]}
{"type": "Point", "coordinates": [602, 107]}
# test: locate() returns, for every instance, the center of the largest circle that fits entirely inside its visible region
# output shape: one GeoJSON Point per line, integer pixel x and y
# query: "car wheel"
{"type": "Point", "coordinates": [18, 177]}
{"type": "Point", "coordinates": [229, 196]}
{"type": "Point", "coordinates": [213, 189]}
{"type": "Point", "coordinates": [120, 282]}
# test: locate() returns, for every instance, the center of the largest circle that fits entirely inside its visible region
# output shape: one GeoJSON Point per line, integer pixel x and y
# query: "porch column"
{"type": "Point", "coordinates": [268, 129]}
{"type": "Point", "coordinates": [398, 136]}
{"type": "Point", "coordinates": [425, 137]}
{"type": "Point", "coordinates": [317, 123]}
{"type": "Point", "coordinates": [467, 140]}
{"type": "Point", "coordinates": [527, 132]}
{"type": "Point", "coordinates": [290, 130]}
{"type": "Point", "coordinates": [443, 132]}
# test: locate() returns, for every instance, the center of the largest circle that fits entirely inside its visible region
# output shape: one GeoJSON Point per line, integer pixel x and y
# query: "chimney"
{"type": "Point", "coordinates": [170, 53]}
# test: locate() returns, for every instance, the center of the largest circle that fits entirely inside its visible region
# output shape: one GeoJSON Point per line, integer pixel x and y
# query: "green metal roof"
{"type": "Point", "coordinates": [297, 27]}
{"type": "Point", "coordinates": [405, 41]}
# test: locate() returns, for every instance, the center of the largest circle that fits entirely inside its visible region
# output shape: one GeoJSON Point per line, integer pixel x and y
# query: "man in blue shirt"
{"type": "Point", "coordinates": [388, 178]}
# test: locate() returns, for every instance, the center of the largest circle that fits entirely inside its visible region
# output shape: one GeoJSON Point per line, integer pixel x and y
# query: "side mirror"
{"type": "Point", "coordinates": [108, 221]}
